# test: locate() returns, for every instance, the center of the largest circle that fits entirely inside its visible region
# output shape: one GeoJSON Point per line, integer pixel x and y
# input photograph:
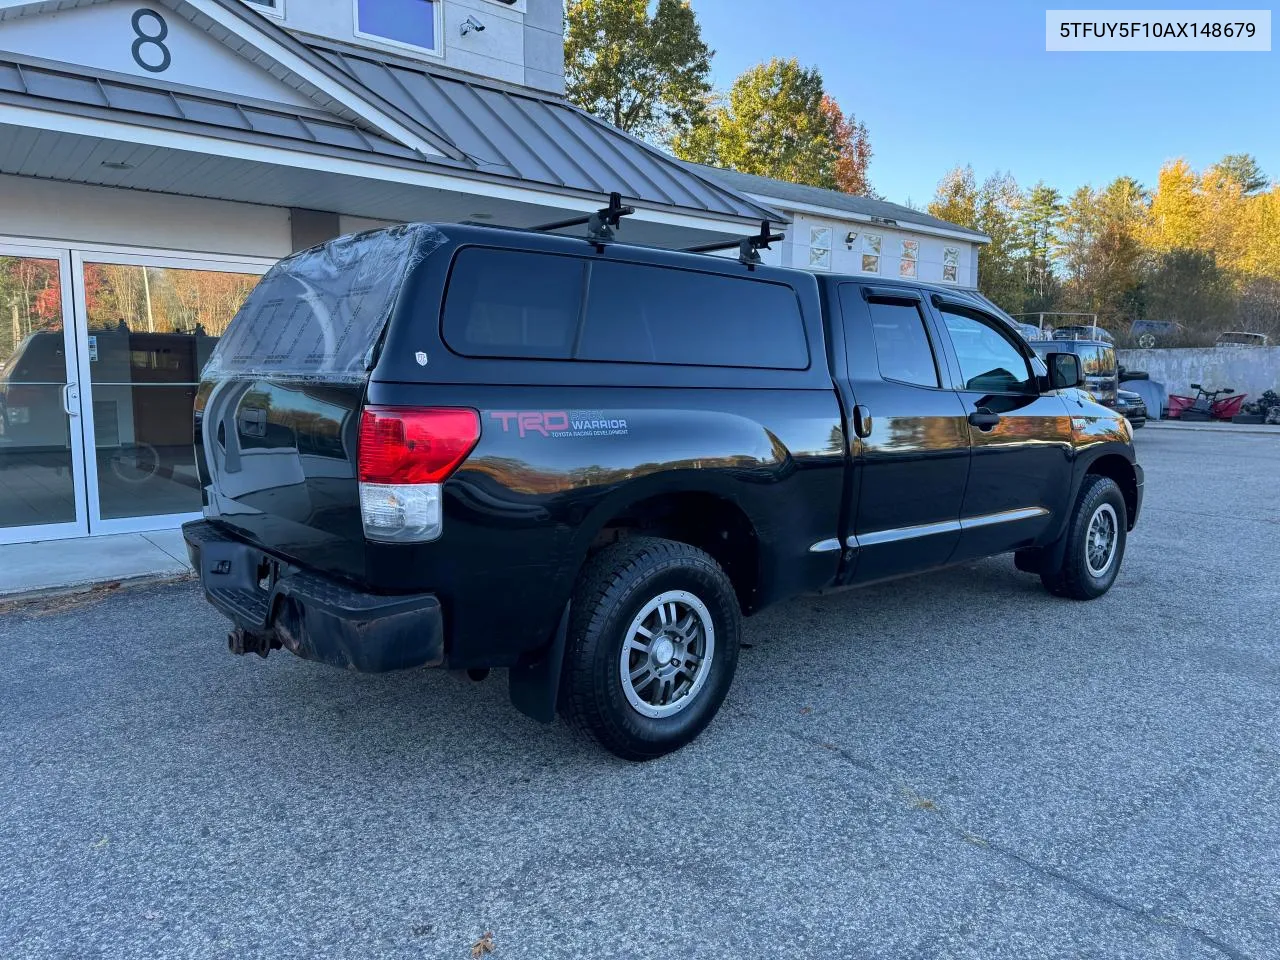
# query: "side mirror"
{"type": "Point", "coordinates": [1064, 370]}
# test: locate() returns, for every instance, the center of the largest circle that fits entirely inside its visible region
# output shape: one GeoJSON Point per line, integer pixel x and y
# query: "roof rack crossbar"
{"type": "Point", "coordinates": [599, 224]}
{"type": "Point", "coordinates": [748, 247]}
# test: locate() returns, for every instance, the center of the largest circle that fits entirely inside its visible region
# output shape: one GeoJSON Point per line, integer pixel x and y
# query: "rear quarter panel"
{"type": "Point", "coordinates": [555, 464]}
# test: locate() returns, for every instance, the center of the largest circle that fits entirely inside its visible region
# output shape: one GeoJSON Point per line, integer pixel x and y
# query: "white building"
{"type": "Point", "coordinates": [839, 233]}
{"type": "Point", "coordinates": [156, 156]}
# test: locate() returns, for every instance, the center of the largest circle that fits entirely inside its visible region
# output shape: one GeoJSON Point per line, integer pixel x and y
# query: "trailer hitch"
{"type": "Point", "coordinates": [241, 641]}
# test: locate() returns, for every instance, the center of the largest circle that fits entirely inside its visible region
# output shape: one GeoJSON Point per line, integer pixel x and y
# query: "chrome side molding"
{"type": "Point", "coordinates": [894, 534]}
{"type": "Point", "coordinates": [825, 546]}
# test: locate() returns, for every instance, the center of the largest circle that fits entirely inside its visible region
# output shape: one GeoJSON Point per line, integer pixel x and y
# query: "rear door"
{"type": "Point", "coordinates": [909, 441]}
{"type": "Point", "coordinates": [1021, 440]}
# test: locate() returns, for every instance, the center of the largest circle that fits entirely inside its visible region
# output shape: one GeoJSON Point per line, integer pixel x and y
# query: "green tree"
{"type": "Point", "coordinates": [1117, 252]}
{"type": "Point", "coordinates": [777, 121]}
{"type": "Point", "coordinates": [1039, 217]}
{"type": "Point", "coordinates": [1081, 225]}
{"type": "Point", "coordinates": [956, 199]}
{"type": "Point", "coordinates": [1189, 286]}
{"type": "Point", "coordinates": [644, 74]}
{"type": "Point", "coordinates": [1100, 251]}
{"type": "Point", "coordinates": [1000, 273]}
{"type": "Point", "coordinates": [1244, 170]}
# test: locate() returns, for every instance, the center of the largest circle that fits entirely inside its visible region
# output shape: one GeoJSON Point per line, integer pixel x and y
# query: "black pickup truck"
{"type": "Point", "coordinates": [584, 461]}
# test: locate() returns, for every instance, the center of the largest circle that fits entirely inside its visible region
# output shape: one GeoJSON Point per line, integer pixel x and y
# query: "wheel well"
{"type": "Point", "coordinates": [1121, 471]}
{"type": "Point", "coordinates": [702, 520]}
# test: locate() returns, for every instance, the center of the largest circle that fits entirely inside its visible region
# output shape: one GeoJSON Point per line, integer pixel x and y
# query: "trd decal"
{"type": "Point", "coordinates": [545, 422]}
{"type": "Point", "coordinates": [560, 423]}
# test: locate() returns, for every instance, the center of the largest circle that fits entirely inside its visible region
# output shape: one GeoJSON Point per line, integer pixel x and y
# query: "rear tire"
{"type": "Point", "coordinates": [652, 646]}
{"type": "Point", "coordinates": [1096, 537]}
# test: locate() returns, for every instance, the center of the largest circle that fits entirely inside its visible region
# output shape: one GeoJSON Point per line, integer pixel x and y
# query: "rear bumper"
{"type": "Point", "coordinates": [277, 604]}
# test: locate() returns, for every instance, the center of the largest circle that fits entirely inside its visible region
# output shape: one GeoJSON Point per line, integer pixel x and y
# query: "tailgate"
{"type": "Point", "coordinates": [277, 414]}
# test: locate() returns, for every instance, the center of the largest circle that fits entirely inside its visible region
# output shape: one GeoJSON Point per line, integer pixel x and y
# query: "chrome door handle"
{"type": "Point", "coordinates": [862, 421]}
{"type": "Point", "coordinates": [70, 396]}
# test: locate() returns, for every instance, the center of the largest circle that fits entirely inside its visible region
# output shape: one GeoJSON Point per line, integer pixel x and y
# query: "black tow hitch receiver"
{"type": "Point", "coordinates": [241, 641]}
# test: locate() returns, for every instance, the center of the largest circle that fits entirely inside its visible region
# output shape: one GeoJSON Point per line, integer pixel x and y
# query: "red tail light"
{"type": "Point", "coordinates": [401, 445]}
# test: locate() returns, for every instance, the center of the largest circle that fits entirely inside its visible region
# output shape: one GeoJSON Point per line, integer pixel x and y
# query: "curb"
{"type": "Point", "coordinates": [87, 591]}
{"type": "Point", "coordinates": [1225, 429]}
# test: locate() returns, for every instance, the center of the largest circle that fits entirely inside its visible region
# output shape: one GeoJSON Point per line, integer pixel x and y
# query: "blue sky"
{"type": "Point", "coordinates": [940, 84]}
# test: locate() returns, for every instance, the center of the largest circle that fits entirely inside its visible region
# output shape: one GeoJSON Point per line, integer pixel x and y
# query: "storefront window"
{"type": "Point", "coordinates": [150, 330]}
{"type": "Point", "coordinates": [37, 485]}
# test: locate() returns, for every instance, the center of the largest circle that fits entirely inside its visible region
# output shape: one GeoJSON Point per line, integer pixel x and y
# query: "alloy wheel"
{"type": "Point", "coordinates": [1101, 539]}
{"type": "Point", "coordinates": [667, 653]}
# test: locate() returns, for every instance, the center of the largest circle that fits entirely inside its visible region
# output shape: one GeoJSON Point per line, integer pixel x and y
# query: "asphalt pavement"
{"type": "Point", "coordinates": [956, 765]}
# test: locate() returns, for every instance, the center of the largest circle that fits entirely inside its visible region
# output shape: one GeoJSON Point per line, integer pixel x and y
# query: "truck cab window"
{"type": "Point", "coordinates": [989, 362]}
{"type": "Point", "coordinates": [902, 345]}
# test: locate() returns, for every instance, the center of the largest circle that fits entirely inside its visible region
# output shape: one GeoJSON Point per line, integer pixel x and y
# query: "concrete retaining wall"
{"type": "Point", "coordinates": [1248, 370]}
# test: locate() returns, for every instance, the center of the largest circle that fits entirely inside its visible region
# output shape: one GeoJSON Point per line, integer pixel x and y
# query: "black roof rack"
{"type": "Point", "coordinates": [748, 247]}
{"type": "Point", "coordinates": [599, 224]}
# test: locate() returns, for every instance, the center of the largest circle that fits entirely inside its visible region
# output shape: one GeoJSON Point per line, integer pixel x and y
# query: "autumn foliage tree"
{"type": "Point", "coordinates": [777, 120]}
{"type": "Point", "coordinates": [1201, 249]}
{"type": "Point", "coordinates": [853, 149]}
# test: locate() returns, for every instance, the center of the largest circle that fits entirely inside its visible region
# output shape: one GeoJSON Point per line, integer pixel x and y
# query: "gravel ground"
{"type": "Point", "coordinates": [956, 765]}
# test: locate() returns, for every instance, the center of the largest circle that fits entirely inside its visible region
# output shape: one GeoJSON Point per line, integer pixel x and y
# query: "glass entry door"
{"type": "Point", "coordinates": [42, 479]}
{"type": "Point", "coordinates": [150, 323]}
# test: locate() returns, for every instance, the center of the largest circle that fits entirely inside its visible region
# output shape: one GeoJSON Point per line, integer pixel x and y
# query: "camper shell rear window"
{"type": "Point", "coordinates": [318, 314]}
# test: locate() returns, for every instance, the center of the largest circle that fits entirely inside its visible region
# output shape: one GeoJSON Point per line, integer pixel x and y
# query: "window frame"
{"type": "Point", "coordinates": [956, 265]}
{"type": "Point", "coordinates": [437, 7]}
{"type": "Point", "coordinates": [865, 252]}
{"type": "Point", "coordinates": [268, 8]}
{"type": "Point", "coordinates": [825, 262]}
{"type": "Point", "coordinates": [999, 327]}
{"type": "Point", "coordinates": [913, 299]}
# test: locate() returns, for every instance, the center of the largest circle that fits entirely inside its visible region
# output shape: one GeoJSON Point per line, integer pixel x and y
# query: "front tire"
{"type": "Point", "coordinates": [1096, 538]}
{"type": "Point", "coordinates": [652, 646]}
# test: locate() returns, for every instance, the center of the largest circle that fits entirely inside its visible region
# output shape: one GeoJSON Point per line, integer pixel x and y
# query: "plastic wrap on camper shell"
{"type": "Point", "coordinates": [318, 314]}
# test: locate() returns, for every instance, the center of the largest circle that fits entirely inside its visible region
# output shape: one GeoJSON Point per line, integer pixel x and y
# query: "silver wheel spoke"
{"type": "Point", "coordinates": [634, 644]}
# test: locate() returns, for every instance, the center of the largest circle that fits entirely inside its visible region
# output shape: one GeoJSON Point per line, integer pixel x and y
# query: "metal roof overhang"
{"type": "Point", "coordinates": [36, 143]}
{"type": "Point", "coordinates": [109, 130]}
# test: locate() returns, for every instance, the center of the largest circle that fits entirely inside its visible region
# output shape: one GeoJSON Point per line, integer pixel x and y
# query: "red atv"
{"type": "Point", "coordinates": [1205, 405]}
